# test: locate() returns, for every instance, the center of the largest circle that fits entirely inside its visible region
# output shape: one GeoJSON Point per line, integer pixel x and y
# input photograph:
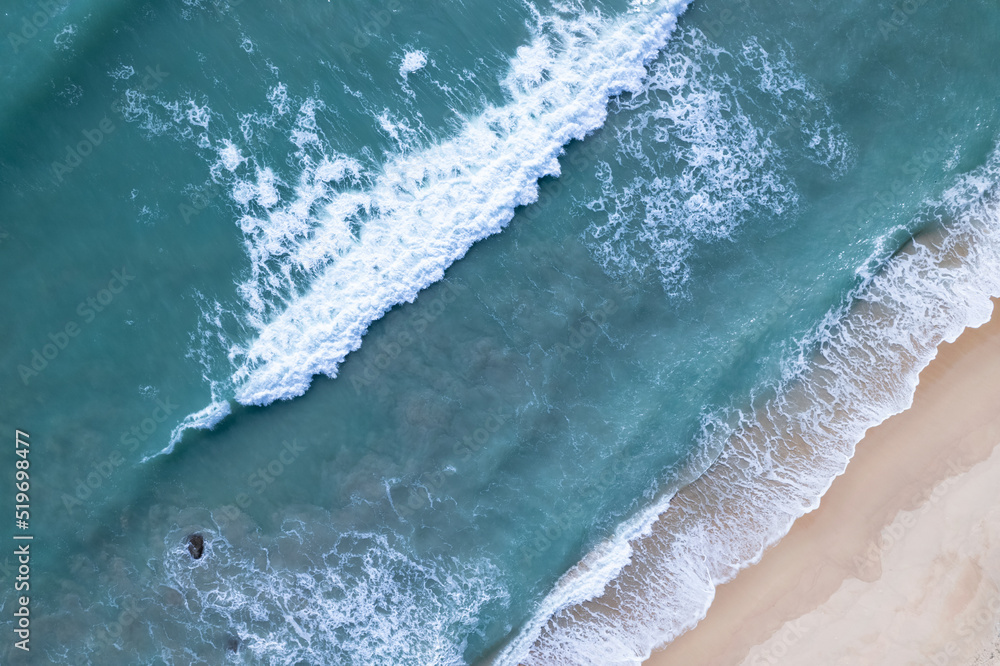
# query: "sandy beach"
{"type": "Point", "coordinates": [900, 564]}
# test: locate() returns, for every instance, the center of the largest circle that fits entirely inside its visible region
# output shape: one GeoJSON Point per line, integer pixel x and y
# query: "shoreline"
{"type": "Point", "coordinates": [900, 564]}
{"type": "Point", "coordinates": [778, 460]}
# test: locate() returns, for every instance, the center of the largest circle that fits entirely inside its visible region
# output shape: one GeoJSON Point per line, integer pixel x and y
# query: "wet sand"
{"type": "Point", "coordinates": [900, 564]}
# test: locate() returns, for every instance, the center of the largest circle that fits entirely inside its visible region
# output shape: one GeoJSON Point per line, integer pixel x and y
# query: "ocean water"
{"type": "Point", "coordinates": [465, 333]}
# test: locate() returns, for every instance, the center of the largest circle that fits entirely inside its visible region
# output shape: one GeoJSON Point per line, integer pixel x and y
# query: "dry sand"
{"type": "Point", "coordinates": [900, 564]}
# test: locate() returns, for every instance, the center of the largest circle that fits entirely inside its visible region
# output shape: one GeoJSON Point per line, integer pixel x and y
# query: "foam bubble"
{"type": "Point", "coordinates": [412, 62]}
{"type": "Point", "coordinates": [278, 97]}
{"type": "Point", "coordinates": [64, 38]}
{"type": "Point", "coordinates": [801, 107]}
{"type": "Point", "coordinates": [313, 293]}
{"type": "Point", "coordinates": [324, 598]}
{"type": "Point", "coordinates": [774, 464]}
{"type": "Point", "coordinates": [230, 156]}
{"type": "Point", "coordinates": [704, 166]}
{"type": "Point", "coordinates": [198, 115]}
{"type": "Point", "coordinates": [205, 419]}
{"type": "Point", "coordinates": [122, 72]}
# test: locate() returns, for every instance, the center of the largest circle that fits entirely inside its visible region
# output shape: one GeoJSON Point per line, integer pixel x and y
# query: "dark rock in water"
{"type": "Point", "coordinates": [196, 546]}
{"type": "Point", "coordinates": [233, 644]}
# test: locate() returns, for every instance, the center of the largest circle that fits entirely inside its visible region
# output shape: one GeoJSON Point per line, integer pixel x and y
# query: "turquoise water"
{"type": "Point", "coordinates": [408, 310]}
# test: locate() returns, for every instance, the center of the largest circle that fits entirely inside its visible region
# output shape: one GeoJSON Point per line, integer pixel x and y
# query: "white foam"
{"type": "Point", "coordinates": [396, 128]}
{"type": "Point", "coordinates": [690, 112]}
{"type": "Point", "coordinates": [278, 97]}
{"type": "Point", "coordinates": [122, 72]}
{"type": "Point", "coordinates": [206, 419]}
{"type": "Point", "coordinates": [230, 156]}
{"type": "Point", "coordinates": [412, 62]}
{"type": "Point", "coordinates": [324, 598]}
{"type": "Point", "coordinates": [801, 105]}
{"type": "Point", "coordinates": [64, 38]}
{"type": "Point", "coordinates": [312, 296]}
{"type": "Point", "coordinates": [306, 132]}
{"type": "Point", "coordinates": [198, 115]}
{"type": "Point", "coordinates": [775, 464]}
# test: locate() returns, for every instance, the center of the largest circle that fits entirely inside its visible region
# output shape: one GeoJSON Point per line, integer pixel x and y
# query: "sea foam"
{"type": "Point", "coordinates": [413, 61]}
{"type": "Point", "coordinates": [314, 595]}
{"type": "Point", "coordinates": [693, 164]}
{"type": "Point", "coordinates": [859, 367]}
{"type": "Point", "coordinates": [376, 245]}
{"type": "Point", "coordinates": [205, 419]}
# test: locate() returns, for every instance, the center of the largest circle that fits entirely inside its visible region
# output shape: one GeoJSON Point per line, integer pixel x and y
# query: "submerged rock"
{"type": "Point", "coordinates": [196, 546]}
{"type": "Point", "coordinates": [233, 644]}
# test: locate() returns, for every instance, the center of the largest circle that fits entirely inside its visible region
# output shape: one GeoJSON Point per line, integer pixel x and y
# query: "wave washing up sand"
{"type": "Point", "coordinates": [535, 332]}
{"type": "Point", "coordinates": [757, 471]}
{"type": "Point", "coordinates": [940, 600]}
{"type": "Point", "coordinates": [900, 564]}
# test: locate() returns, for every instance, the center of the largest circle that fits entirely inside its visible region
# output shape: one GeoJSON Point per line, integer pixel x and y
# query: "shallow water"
{"type": "Point", "coordinates": [578, 245]}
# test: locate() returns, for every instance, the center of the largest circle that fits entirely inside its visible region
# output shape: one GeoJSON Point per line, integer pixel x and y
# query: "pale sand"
{"type": "Point", "coordinates": [900, 564]}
